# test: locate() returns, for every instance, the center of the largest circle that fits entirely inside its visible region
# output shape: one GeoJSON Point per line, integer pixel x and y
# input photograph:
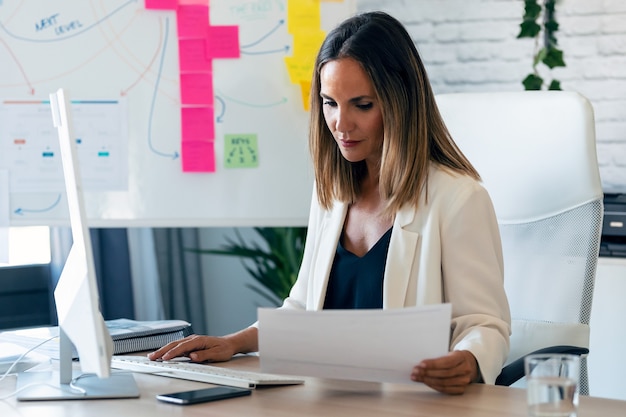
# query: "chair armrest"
{"type": "Point", "coordinates": [514, 371]}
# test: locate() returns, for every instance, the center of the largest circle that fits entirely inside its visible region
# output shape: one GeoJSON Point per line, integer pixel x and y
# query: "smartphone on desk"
{"type": "Point", "coordinates": [203, 395]}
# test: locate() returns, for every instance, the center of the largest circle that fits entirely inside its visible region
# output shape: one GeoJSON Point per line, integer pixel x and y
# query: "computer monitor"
{"type": "Point", "coordinates": [77, 300]}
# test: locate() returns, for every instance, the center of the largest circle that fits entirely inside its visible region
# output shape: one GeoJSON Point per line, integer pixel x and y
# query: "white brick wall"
{"type": "Point", "coordinates": [472, 45]}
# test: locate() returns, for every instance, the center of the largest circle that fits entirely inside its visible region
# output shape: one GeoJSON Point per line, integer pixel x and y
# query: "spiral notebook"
{"type": "Point", "coordinates": [134, 336]}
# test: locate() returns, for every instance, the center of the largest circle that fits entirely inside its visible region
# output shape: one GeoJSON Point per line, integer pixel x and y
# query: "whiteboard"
{"type": "Point", "coordinates": [119, 51]}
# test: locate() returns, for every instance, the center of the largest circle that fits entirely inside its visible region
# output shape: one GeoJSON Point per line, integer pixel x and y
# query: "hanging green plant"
{"type": "Point", "coordinates": [274, 265]}
{"type": "Point", "coordinates": [546, 49]}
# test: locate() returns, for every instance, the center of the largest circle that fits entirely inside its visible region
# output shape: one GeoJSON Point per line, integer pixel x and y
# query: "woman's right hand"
{"type": "Point", "coordinates": [210, 348]}
{"type": "Point", "coordinates": [197, 348]}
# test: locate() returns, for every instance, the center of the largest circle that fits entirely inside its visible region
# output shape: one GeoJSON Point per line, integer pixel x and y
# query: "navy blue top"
{"type": "Point", "coordinates": [357, 282]}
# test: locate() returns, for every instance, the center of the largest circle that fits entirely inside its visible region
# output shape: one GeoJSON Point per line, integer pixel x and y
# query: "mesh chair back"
{"type": "Point", "coordinates": [536, 154]}
{"type": "Point", "coordinates": [550, 265]}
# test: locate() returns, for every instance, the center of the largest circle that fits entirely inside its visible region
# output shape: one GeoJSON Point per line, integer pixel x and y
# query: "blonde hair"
{"type": "Point", "coordinates": [414, 132]}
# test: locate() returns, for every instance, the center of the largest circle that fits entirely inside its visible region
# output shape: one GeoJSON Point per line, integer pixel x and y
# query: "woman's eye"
{"type": "Point", "coordinates": [365, 106]}
{"type": "Point", "coordinates": [329, 103]}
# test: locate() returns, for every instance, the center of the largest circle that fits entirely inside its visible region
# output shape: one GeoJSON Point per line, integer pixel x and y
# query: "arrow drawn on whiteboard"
{"type": "Point", "coordinates": [218, 119]}
{"type": "Point", "coordinates": [285, 49]}
{"type": "Point", "coordinates": [260, 105]}
{"type": "Point", "coordinates": [22, 38]}
{"type": "Point", "coordinates": [154, 96]}
{"type": "Point", "coordinates": [262, 38]}
{"type": "Point", "coordinates": [21, 211]}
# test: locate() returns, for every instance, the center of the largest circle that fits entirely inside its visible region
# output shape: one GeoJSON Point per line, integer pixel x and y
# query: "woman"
{"type": "Point", "coordinates": [398, 217]}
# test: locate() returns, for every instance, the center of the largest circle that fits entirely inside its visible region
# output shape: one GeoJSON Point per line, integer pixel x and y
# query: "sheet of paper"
{"type": "Point", "coordinates": [32, 338]}
{"type": "Point", "coordinates": [368, 345]}
{"type": "Point", "coordinates": [29, 147]}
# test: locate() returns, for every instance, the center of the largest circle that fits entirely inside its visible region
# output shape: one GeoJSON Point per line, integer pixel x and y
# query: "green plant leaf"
{"type": "Point", "coordinates": [274, 265]}
{"type": "Point", "coordinates": [529, 29]}
{"type": "Point", "coordinates": [532, 10]}
{"type": "Point", "coordinates": [532, 82]}
{"type": "Point", "coordinates": [548, 53]}
{"type": "Point", "coordinates": [554, 85]}
{"type": "Point", "coordinates": [553, 58]}
{"type": "Point", "coordinates": [551, 26]}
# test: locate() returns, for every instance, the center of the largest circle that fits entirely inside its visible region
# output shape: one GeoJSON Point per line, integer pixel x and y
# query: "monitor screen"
{"type": "Point", "coordinates": [77, 300]}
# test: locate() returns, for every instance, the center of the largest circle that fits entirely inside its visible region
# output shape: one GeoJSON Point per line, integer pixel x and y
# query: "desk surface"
{"type": "Point", "coordinates": [317, 397]}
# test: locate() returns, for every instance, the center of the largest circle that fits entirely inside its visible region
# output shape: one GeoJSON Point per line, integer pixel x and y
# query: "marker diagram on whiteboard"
{"type": "Point", "coordinates": [187, 113]}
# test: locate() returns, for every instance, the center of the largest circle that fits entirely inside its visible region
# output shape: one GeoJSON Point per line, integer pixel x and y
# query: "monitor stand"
{"type": "Point", "coordinates": [65, 385]}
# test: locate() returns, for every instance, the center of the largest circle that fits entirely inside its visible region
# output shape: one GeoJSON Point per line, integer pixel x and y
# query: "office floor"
{"type": "Point", "coordinates": [606, 362]}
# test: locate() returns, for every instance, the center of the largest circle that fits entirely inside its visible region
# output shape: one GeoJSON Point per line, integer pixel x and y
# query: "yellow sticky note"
{"type": "Point", "coordinates": [305, 88]}
{"type": "Point", "coordinates": [303, 14]}
{"type": "Point", "coordinates": [299, 69]}
{"type": "Point", "coordinates": [306, 43]}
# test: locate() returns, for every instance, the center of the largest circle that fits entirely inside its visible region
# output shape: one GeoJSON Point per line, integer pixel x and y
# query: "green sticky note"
{"type": "Point", "coordinates": [241, 151]}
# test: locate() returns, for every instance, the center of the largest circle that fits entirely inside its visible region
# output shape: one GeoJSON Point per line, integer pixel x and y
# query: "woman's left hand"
{"type": "Point", "coordinates": [450, 374]}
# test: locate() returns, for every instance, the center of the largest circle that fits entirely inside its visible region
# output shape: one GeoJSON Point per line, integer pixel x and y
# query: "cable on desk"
{"type": "Point", "coordinates": [8, 371]}
{"type": "Point", "coordinates": [22, 356]}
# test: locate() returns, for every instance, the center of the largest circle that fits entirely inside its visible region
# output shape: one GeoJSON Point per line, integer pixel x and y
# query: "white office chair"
{"type": "Point", "coordinates": [536, 154]}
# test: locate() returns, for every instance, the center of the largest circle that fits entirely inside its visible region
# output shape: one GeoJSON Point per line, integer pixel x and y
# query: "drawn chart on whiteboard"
{"type": "Point", "coordinates": [120, 63]}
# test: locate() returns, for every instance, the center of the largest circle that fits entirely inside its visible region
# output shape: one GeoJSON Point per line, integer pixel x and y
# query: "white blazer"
{"type": "Point", "coordinates": [447, 250]}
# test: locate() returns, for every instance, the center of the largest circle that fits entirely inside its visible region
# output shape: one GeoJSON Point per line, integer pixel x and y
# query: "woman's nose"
{"type": "Point", "coordinates": [343, 122]}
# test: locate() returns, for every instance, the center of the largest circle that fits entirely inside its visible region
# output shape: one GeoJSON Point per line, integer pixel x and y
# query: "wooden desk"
{"type": "Point", "coordinates": [316, 397]}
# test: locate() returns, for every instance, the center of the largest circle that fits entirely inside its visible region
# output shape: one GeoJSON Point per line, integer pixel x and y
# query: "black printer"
{"type": "Point", "coordinates": [613, 241]}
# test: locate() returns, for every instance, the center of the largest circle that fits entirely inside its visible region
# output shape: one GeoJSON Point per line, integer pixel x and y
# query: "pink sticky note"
{"type": "Point", "coordinates": [192, 55]}
{"type": "Point", "coordinates": [222, 42]}
{"type": "Point", "coordinates": [196, 88]}
{"type": "Point", "coordinates": [190, 2]}
{"type": "Point", "coordinates": [192, 21]}
{"type": "Point", "coordinates": [161, 4]}
{"type": "Point", "coordinates": [198, 156]}
{"type": "Point", "coordinates": [198, 123]}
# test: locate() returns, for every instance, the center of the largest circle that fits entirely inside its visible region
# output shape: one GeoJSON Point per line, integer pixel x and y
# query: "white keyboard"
{"type": "Point", "coordinates": [201, 372]}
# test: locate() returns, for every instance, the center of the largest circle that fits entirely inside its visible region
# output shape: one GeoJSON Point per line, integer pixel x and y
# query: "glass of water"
{"type": "Point", "coordinates": [552, 384]}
